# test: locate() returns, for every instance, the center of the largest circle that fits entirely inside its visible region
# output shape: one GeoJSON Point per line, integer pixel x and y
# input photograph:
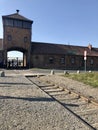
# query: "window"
{"type": "Point", "coordinates": [18, 23]}
{"type": "Point", "coordinates": [9, 37]}
{"type": "Point", "coordinates": [62, 60]}
{"type": "Point", "coordinates": [26, 25]}
{"type": "Point", "coordinates": [51, 60]}
{"type": "Point", "coordinates": [25, 39]}
{"type": "Point", "coordinates": [8, 22]}
{"type": "Point", "coordinates": [73, 60]}
{"type": "Point", "coordinates": [92, 61]}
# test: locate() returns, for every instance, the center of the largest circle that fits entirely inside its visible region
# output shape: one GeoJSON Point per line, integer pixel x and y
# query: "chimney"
{"type": "Point", "coordinates": [17, 11]}
{"type": "Point", "coordinates": [90, 46]}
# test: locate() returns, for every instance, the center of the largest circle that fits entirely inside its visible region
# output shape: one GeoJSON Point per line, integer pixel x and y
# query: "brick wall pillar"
{"type": "Point", "coordinates": [5, 59]}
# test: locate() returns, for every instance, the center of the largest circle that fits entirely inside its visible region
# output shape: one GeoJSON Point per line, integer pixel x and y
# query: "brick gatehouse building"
{"type": "Point", "coordinates": [17, 33]}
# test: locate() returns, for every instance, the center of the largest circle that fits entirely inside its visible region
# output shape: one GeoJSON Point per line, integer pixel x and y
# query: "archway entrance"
{"type": "Point", "coordinates": [15, 59]}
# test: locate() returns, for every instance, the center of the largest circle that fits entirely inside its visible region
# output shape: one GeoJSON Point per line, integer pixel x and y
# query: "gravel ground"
{"type": "Point", "coordinates": [23, 106]}
{"type": "Point", "coordinates": [71, 84]}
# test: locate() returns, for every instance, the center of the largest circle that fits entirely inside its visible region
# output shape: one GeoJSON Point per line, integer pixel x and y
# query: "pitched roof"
{"type": "Point", "coordinates": [17, 16]}
{"type": "Point", "coordinates": [47, 48]}
{"type": "Point", "coordinates": [1, 44]}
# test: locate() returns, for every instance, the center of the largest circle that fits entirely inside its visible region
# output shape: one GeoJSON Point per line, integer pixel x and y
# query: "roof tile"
{"type": "Point", "coordinates": [17, 16]}
{"type": "Point", "coordinates": [47, 48]}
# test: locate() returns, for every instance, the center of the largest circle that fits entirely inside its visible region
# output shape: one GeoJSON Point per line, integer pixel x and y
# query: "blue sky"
{"type": "Point", "coordinates": [73, 22]}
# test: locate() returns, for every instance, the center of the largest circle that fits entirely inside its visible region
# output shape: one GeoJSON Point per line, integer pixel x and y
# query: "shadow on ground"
{"type": "Point", "coordinates": [39, 99]}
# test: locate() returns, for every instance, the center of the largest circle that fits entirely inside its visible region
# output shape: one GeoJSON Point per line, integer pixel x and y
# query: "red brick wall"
{"type": "Point", "coordinates": [17, 42]}
{"type": "Point", "coordinates": [17, 35]}
{"type": "Point", "coordinates": [42, 61]}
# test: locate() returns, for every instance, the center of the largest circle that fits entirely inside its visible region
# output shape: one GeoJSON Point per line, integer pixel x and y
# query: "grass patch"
{"type": "Point", "coordinates": [86, 78]}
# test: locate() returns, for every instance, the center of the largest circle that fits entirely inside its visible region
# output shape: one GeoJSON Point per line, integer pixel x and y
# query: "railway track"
{"type": "Point", "coordinates": [83, 108]}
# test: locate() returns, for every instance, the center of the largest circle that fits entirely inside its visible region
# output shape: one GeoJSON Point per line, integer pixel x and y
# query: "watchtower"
{"type": "Point", "coordinates": [17, 36]}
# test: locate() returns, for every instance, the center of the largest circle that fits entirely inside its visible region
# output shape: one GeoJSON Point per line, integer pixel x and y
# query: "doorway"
{"type": "Point", "coordinates": [15, 59]}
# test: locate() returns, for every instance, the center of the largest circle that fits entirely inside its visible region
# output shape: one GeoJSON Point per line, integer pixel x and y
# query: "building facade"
{"type": "Point", "coordinates": [46, 55]}
{"type": "Point", "coordinates": [17, 33]}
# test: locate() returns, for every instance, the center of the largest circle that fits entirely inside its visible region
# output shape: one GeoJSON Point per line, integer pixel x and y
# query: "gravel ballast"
{"type": "Point", "coordinates": [24, 106]}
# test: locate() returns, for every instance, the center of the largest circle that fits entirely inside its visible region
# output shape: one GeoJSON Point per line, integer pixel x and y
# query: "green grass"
{"type": "Point", "coordinates": [87, 78]}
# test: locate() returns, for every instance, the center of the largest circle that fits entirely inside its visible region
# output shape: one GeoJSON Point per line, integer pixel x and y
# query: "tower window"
{"type": "Point", "coordinates": [9, 37]}
{"type": "Point", "coordinates": [26, 25]}
{"type": "Point", "coordinates": [18, 23]}
{"type": "Point", "coordinates": [25, 39]}
{"type": "Point", "coordinates": [8, 22]}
